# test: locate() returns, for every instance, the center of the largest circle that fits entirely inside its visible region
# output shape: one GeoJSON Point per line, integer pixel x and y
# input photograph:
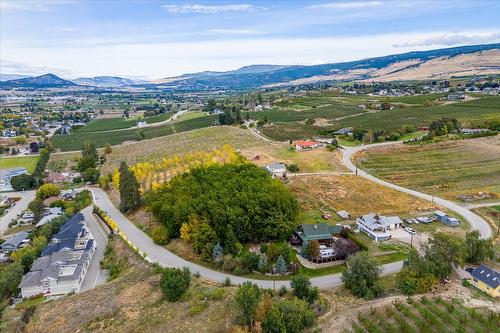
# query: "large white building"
{"type": "Point", "coordinates": [64, 262]}
{"type": "Point", "coordinates": [378, 227]}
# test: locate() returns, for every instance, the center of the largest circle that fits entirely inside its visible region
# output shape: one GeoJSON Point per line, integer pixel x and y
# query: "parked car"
{"type": "Point", "coordinates": [410, 230]}
{"type": "Point", "coordinates": [469, 270]}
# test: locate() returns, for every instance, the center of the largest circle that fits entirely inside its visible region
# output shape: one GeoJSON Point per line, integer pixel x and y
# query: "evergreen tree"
{"type": "Point", "coordinates": [89, 156]}
{"type": "Point", "coordinates": [217, 252]}
{"type": "Point", "coordinates": [230, 243]}
{"type": "Point", "coordinates": [281, 266]}
{"type": "Point", "coordinates": [263, 262]}
{"type": "Point", "coordinates": [129, 189]}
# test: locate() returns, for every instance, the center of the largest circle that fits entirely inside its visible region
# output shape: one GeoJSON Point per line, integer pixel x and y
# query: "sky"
{"type": "Point", "coordinates": [157, 39]}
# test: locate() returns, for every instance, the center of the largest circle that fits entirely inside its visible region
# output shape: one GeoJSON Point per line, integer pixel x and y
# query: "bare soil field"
{"type": "Point", "coordinates": [453, 169]}
{"type": "Point", "coordinates": [316, 160]}
{"type": "Point", "coordinates": [354, 194]}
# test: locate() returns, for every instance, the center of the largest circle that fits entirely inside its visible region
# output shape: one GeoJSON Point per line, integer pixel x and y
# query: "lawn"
{"type": "Point", "coordinates": [28, 162]}
{"type": "Point", "coordinates": [425, 315]}
{"type": "Point", "coordinates": [449, 169]}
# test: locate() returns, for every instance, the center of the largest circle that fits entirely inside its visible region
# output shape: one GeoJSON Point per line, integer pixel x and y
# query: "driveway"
{"type": "Point", "coordinates": [101, 240]}
{"type": "Point", "coordinates": [13, 212]}
{"type": "Point", "coordinates": [476, 222]}
{"type": "Point", "coordinates": [165, 258]}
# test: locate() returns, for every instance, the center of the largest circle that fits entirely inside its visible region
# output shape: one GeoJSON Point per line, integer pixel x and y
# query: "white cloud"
{"type": "Point", "coordinates": [235, 31]}
{"type": "Point", "coordinates": [347, 5]}
{"type": "Point", "coordinates": [212, 9]}
{"type": "Point", "coordinates": [156, 60]}
{"type": "Point", "coordinates": [450, 39]}
{"type": "Point", "coordinates": [31, 5]}
{"type": "Point", "coordinates": [15, 67]}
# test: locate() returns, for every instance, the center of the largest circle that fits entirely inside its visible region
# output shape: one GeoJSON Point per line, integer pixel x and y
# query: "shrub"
{"type": "Point", "coordinates": [301, 287]}
{"type": "Point", "coordinates": [247, 298]}
{"type": "Point", "coordinates": [159, 235]}
{"type": "Point", "coordinates": [91, 175]}
{"type": "Point", "coordinates": [288, 316]}
{"type": "Point", "coordinates": [227, 281]}
{"type": "Point", "coordinates": [361, 276]}
{"type": "Point", "coordinates": [250, 260]}
{"type": "Point", "coordinates": [23, 182]}
{"type": "Point", "coordinates": [47, 191]}
{"type": "Point", "coordinates": [174, 283]}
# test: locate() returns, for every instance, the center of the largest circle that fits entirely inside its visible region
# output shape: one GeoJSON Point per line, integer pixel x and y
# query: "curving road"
{"type": "Point", "coordinates": [165, 258]}
{"type": "Point", "coordinates": [474, 220]}
{"type": "Point", "coordinates": [13, 212]}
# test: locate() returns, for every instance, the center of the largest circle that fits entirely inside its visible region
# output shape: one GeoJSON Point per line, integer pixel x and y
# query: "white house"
{"type": "Point", "coordinates": [64, 262]}
{"type": "Point", "coordinates": [378, 227]}
{"type": "Point", "coordinates": [276, 169]}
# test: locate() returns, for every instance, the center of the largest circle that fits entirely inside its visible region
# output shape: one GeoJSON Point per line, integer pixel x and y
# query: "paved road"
{"type": "Point", "coordinates": [26, 198]}
{"type": "Point", "coordinates": [166, 258]}
{"type": "Point", "coordinates": [484, 204]}
{"type": "Point", "coordinates": [101, 240]}
{"type": "Point", "coordinates": [305, 174]}
{"type": "Point", "coordinates": [474, 220]}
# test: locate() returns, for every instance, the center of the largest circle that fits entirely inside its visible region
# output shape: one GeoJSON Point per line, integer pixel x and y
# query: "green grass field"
{"type": "Point", "coordinates": [28, 162]}
{"type": "Point", "coordinates": [75, 141]}
{"type": "Point", "coordinates": [425, 315]}
{"type": "Point", "coordinates": [449, 169]}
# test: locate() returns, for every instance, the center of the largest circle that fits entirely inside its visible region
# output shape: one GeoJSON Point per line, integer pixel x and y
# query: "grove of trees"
{"type": "Point", "coordinates": [225, 204]}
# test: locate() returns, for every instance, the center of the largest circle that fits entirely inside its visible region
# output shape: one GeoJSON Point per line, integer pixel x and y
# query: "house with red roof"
{"type": "Point", "coordinates": [307, 145]}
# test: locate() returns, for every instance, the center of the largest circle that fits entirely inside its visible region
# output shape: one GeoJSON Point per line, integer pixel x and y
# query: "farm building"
{"type": "Point", "coordinates": [448, 220]}
{"type": "Point", "coordinates": [307, 145]}
{"type": "Point", "coordinates": [378, 227]}
{"type": "Point", "coordinates": [487, 280]}
{"type": "Point", "coordinates": [276, 169]}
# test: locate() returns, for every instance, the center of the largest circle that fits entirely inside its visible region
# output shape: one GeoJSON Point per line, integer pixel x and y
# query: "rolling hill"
{"type": "Point", "coordinates": [477, 59]}
{"type": "Point", "coordinates": [46, 80]}
{"type": "Point", "coordinates": [107, 81]}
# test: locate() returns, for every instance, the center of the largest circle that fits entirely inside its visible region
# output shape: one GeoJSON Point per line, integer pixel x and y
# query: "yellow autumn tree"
{"type": "Point", "coordinates": [185, 232]}
{"type": "Point", "coordinates": [116, 179]}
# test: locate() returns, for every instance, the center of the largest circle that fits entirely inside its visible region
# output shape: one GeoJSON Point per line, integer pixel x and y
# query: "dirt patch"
{"type": "Point", "coordinates": [354, 194]}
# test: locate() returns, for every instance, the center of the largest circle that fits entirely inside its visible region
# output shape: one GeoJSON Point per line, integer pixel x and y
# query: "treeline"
{"type": "Point", "coordinates": [28, 182]}
{"type": "Point", "coordinates": [224, 204]}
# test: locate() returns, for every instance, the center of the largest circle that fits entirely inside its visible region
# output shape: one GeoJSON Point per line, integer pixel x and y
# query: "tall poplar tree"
{"type": "Point", "coordinates": [130, 197]}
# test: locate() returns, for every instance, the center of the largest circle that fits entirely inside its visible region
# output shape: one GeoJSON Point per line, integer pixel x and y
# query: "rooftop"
{"type": "Point", "coordinates": [487, 275]}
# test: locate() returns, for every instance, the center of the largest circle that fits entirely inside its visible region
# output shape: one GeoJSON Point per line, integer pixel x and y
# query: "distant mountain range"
{"type": "Point", "coordinates": [46, 80]}
{"type": "Point", "coordinates": [107, 81]}
{"type": "Point", "coordinates": [421, 65]}
{"type": "Point", "coordinates": [366, 69]}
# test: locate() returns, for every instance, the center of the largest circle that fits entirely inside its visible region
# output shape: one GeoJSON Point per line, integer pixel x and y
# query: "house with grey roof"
{"type": "Point", "coordinates": [446, 219]}
{"type": "Point", "coordinates": [276, 169]}
{"type": "Point", "coordinates": [486, 279]}
{"type": "Point", "coordinates": [378, 227]}
{"type": "Point", "coordinates": [64, 261]}
{"type": "Point", "coordinates": [13, 242]}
